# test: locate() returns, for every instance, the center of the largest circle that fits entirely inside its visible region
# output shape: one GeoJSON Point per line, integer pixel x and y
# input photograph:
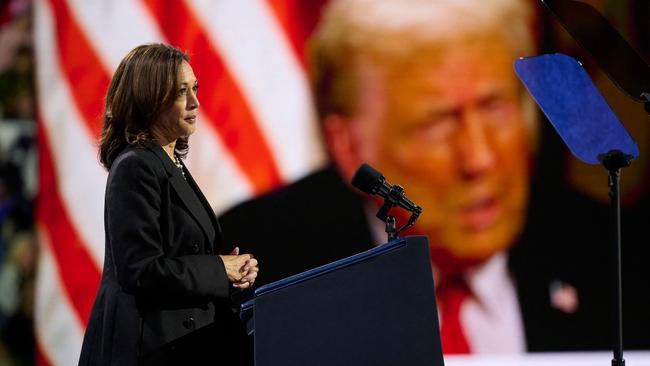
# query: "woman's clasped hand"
{"type": "Point", "coordinates": [241, 269]}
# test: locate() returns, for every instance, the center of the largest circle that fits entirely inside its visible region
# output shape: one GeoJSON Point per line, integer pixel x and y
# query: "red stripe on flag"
{"type": "Point", "coordinates": [298, 18]}
{"type": "Point", "coordinates": [79, 275]}
{"type": "Point", "coordinates": [221, 98]}
{"type": "Point", "coordinates": [82, 68]}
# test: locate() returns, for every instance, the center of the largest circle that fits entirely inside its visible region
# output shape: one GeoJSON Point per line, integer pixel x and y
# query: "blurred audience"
{"type": "Point", "coordinates": [16, 61]}
{"type": "Point", "coordinates": [18, 247]}
{"type": "Point", "coordinates": [17, 86]}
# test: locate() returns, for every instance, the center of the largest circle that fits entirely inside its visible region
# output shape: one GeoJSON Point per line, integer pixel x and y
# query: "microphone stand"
{"type": "Point", "coordinates": [391, 231]}
{"type": "Point", "coordinates": [613, 161]}
{"type": "Point", "coordinates": [391, 200]}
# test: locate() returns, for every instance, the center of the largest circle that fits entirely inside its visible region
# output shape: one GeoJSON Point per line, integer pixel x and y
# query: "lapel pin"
{"type": "Point", "coordinates": [564, 297]}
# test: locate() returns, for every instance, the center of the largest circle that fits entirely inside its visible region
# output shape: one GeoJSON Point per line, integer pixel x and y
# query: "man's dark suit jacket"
{"type": "Point", "coordinates": [161, 280]}
{"type": "Point", "coordinates": [319, 219]}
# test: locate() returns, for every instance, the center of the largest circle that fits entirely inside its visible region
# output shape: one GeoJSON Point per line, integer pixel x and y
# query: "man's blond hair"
{"type": "Point", "coordinates": [354, 31]}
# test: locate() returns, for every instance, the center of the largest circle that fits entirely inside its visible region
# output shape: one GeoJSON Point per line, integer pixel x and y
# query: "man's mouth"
{"type": "Point", "coordinates": [480, 213]}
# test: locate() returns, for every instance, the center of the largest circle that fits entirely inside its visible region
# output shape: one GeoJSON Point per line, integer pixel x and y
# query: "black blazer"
{"type": "Point", "coordinates": [319, 219]}
{"type": "Point", "coordinates": [162, 279]}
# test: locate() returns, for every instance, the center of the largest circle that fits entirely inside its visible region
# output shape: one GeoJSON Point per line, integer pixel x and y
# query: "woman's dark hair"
{"type": "Point", "coordinates": [143, 87]}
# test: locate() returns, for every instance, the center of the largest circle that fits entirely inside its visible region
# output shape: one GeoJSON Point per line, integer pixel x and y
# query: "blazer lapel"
{"type": "Point", "coordinates": [187, 196]}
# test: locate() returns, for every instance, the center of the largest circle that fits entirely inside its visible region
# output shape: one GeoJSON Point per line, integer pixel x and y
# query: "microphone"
{"type": "Point", "coordinates": [369, 180]}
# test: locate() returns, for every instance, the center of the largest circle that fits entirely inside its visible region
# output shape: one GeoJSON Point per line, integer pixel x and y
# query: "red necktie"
{"type": "Point", "coordinates": [451, 293]}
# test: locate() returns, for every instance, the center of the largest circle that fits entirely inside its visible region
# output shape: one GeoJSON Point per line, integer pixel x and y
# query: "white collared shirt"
{"type": "Point", "coordinates": [491, 317]}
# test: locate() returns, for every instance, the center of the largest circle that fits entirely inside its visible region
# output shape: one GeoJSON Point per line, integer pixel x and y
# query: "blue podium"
{"type": "Point", "coordinates": [375, 308]}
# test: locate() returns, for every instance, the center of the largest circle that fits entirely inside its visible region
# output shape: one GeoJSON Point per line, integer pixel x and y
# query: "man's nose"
{"type": "Point", "coordinates": [476, 153]}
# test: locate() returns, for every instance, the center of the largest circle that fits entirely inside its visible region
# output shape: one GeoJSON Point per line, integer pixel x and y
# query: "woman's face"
{"type": "Point", "coordinates": [180, 119]}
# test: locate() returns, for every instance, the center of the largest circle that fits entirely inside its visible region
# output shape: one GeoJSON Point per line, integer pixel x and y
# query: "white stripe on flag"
{"type": "Point", "coordinates": [114, 27]}
{"type": "Point", "coordinates": [81, 178]}
{"type": "Point", "coordinates": [58, 332]}
{"type": "Point", "coordinates": [257, 52]}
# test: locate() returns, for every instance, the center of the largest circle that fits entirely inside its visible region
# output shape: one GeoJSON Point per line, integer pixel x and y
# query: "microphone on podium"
{"type": "Point", "coordinates": [371, 181]}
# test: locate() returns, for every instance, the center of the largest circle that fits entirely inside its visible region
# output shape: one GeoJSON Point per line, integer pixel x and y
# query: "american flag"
{"type": "Point", "coordinates": [256, 131]}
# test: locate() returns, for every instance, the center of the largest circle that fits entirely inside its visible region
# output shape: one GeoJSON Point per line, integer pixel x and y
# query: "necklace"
{"type": "Point", "coordinates": [178, 164]}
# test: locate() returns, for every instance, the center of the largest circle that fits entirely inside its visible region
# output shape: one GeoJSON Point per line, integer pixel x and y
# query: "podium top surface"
{"type": "Point", "coordinates": [318, 271]}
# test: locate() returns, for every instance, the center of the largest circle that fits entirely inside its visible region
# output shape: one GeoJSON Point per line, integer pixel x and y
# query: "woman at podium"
{"type": "Point", "coordinates": [164, 296]}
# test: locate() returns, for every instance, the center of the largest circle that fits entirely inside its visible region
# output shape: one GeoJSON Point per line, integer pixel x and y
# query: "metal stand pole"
{"type": "Point", "coordinates": [613, 161]}
{"type": "Point", "coordinates": [391, 228]}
